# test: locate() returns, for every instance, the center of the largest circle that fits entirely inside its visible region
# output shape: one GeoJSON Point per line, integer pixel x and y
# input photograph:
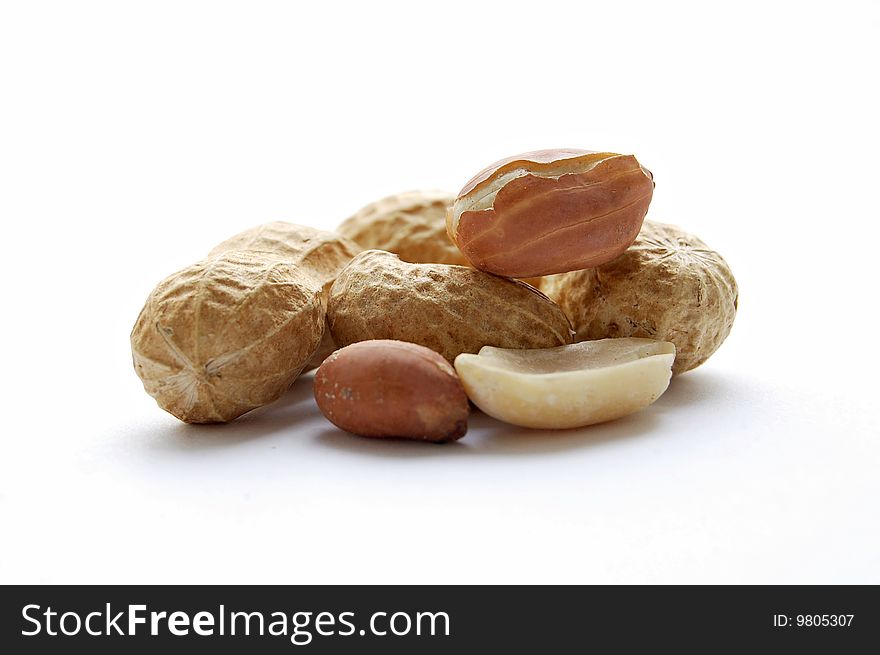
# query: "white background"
{"type": "Point", "coordinates": [135, 136]}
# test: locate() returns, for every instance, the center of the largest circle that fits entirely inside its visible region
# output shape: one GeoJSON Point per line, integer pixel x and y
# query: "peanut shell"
{"type": "Point", "coordinates": [668, 285]}
{"type": "Point", "coordinates": [315, 253]}
{"type": "Point", "coordinates": [226, 335]}
{"type": "Point", "coordinates": [233, 331]}
{"type": "Point", "coordinates": [412, 225]}
{"type": "Point", "coordinates": [449, 309]}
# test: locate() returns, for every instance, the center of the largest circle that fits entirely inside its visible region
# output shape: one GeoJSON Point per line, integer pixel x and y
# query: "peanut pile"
{"type": "Point", "coordinates": [425, 300]}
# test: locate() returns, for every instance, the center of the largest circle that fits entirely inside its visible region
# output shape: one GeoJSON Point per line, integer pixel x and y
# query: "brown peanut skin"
{"type": "Point", "coordinates": [385, 388]}
{"type": "Point", "coordinates": [541, 225]}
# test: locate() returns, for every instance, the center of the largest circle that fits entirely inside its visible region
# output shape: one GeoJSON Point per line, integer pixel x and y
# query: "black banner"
{"type": "Point", "coordinates": [37, 619]}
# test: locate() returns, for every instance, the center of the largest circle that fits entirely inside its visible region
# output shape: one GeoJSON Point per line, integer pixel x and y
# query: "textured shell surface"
{"type": "Point", "coordinates": [318, 253]}
{"type": "Point", "coordinates": [226, 335]}
{"type": "Point", "coordinates": [668, 285]}
{"type": "Point", "coordinates": [450, 309]}
{"type": "Point", "coordinates": [411, 225]}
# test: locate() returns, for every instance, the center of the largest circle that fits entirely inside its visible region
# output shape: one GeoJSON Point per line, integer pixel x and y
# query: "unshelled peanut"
{"type": "Point", "coordinates": [668, 285]}
{"type": "Point", "coordinates": [231, 332]}
{"type": "Point", "coordinates": [449, 309]}
{"type": "Point", "coordinates": [412, 225]}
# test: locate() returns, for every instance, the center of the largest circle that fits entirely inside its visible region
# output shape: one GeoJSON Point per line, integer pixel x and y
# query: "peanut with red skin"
{"type": "Point", "coordinates": [385, 388]}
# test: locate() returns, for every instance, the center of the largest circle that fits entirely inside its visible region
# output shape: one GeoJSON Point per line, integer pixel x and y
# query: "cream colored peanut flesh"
{"type": "Point", "coordinates": [569, 386]}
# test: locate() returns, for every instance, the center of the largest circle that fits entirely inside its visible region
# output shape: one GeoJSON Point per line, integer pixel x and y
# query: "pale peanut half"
{"type": "Point", "coordinates": [569, 386]}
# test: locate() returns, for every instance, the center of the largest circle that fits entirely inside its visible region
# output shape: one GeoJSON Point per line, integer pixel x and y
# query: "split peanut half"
{"type": "Point", "coordinates": [550, 211]}
{"type": "Point", "coordinates": [568, 386]}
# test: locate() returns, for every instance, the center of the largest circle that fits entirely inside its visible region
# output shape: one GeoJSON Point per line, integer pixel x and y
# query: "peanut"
{"type": "Point", "coordinates": [412, 225]}
{"type": "Point", "coordinates": [449, 309]}
{"type": "Point", "coordinates": [315, 253]}
{"type": "Point", "coordinates": [669, 286]}
{"type": "Point", "coordinates": [550, 211]}
{"type": "Point", "coordinates": [231, 332]}
{"type": "Point", "coordinates": [386, 388]}
{"type": "Point", "coordinates": [569, 386]}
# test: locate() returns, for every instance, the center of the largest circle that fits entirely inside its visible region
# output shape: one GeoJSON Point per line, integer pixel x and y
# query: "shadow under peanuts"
{"type": "Point", "coordinates": [496, 438]}
{"type": "Point", "coordinates": [697, 387]}
{"type": "Point", "coordinates": [294, 408]}
{"type": "Point", "coordinates": [339, 439]}
{"type": "Point", "coordinates": [489, 437]}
